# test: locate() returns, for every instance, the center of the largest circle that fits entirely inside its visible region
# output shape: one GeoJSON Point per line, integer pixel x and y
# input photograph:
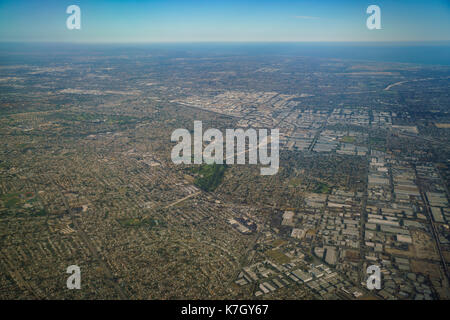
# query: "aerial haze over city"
{"type": "Point", "coordinates": [343, 196]}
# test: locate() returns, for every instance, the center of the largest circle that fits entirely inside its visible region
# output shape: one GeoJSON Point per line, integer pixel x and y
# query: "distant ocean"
{"type": "Point", "coordinates": [432, 53]}
{"type": "Point", "coordinates": [429, 53]}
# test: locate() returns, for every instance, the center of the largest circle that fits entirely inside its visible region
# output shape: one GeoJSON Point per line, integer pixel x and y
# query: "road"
{"type": "Point", "coordinates": [416, 80]}
{"type": "Point", "coordinates": [182, 199]}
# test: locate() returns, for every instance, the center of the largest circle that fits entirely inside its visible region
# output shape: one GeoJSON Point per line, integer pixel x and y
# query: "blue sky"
{"type": "Point", "coordinates": [225, 20]}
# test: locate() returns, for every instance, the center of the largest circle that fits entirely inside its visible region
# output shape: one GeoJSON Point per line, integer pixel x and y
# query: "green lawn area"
{"type": "Point", "coordinates": [23, 203]}
{"type": "Point", "coordinates": [209, 176]}
{"type": "Point", "coordinates": [348, 139]}
{"type": "Point", "coordinates": [277, 256]}
{"type": "Point", "coordinates": [154, 222]}
{"type": "Point", "coordinates": [130, 222]}
{"type": "Point", "coordinates": [40, 213]}
{"type": "Point", "coordinates": [10, 200]}
{"type": "Point", "coordinates": [295, 182]}
{"type": "Point", "coordinates": [322, 188]}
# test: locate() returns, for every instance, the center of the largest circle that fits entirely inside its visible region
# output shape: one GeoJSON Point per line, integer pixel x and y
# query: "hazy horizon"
{"type": "Point", "coordinates": [430, 53]}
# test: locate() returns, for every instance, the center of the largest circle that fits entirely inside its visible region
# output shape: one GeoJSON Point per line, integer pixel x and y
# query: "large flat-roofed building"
{"type": "Point", "coordinates": [305, 277]}
{"type": "Point", "coordinates": [437, 214]}
{"type": "Point", "coordinates": [404, 238]}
